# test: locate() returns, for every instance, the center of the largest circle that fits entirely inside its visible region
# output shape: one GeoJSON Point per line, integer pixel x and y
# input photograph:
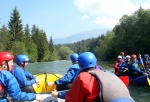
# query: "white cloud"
{"type": "Point", "coordinates": [104, 21]}
{"type": "Point", "coordinates": [85, 17]}
{"type": "Point", "coordinates": [107, 12]}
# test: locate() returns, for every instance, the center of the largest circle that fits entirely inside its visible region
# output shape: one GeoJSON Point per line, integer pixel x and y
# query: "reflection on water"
{"type": "Point", "coordinates": [139, 93]}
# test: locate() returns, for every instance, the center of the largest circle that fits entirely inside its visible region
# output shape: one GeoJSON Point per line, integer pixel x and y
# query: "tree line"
{"type": "Point", "coordinates": [130, 35]}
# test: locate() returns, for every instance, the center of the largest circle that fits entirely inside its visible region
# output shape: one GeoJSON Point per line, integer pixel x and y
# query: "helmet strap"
{"type": "Point", "coordinates": [74, 62]}
{"type": "Point", "coordinates": [7, 66]}
{"type": "Point", "coordinates": [23, 65]}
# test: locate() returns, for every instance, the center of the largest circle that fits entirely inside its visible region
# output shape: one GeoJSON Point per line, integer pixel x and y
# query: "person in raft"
{"type": "Point", "coordinates": [136, 75]}
{"type": "Point", "coordinates": [9, 84]}
{"type": "Point", "coordinates": [24, 78]}
{"type": "Point", "coordinates": [93, 85]}
{"type": "Point", "coordinates": [125, 66]}
{"type": "Point", "coordinates": [65, 82]}
{"type": "Point", "coordinates": [122, 55]}
{"type": "Point", "coordinates": [117, 64]}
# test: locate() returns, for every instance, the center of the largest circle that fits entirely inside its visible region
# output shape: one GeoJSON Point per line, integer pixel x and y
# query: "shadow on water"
{"type": "Point", "coordinates": [139, 93]}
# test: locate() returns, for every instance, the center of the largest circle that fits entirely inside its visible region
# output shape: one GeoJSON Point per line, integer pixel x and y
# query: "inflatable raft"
{"type": "Point", "coordinates": [47, 98]}
{"type": "Point", "coordinates": [43, 88]}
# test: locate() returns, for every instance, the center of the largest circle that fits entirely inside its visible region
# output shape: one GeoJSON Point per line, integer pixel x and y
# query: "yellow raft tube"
{"type": "Point", "coordinates": [43, 88]}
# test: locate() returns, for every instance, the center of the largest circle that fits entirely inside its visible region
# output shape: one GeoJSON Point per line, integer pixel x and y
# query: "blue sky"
{"type": "Point", "coordinates": [62, 18]}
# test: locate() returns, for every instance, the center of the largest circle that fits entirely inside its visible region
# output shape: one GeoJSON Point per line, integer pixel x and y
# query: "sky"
{"type": "Point", "coordinates": [62, 18]}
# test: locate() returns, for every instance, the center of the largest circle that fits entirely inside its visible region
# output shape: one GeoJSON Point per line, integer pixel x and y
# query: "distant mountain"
{"type": "Point", "coordinates": [80, 36]}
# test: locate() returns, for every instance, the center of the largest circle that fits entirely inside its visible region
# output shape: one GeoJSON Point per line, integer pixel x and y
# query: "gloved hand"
{"type": "Point", "coordinates": [37, 82]}
{"type": "Point", "coordinates": [50, 83]}
{"type": "Point", "coordinates": [39, 97]}
{"type": "Point", "coordinates": [145, 74]}
{"type": "Point", "coordinates": [54, 93]}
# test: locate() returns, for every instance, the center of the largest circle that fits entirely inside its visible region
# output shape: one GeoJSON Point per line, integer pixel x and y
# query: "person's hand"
{"type": "Point", "coordinates": [145, 74]}
{"type": "Point", "coordinates": [54, 94]}
{"type": "Point", "coordinates": [39, 97]}
{"type": "Point", "coordinates": [126, 69]}
{"type": "Point", "coordinates": [50, 83]}
{"type": "Point", "coordinates": [37, 82]}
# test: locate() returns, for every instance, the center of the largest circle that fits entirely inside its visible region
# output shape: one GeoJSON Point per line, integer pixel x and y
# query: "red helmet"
{"type": "Point", "coordinates": [5, 56]}
{"type": "Point", "coordinates": [121, 53]}
{"type": "Point", "coordinates": [133, 56]}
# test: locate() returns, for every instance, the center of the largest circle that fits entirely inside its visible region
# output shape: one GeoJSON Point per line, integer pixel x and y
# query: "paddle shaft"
{"type": "Point", "coordinates": [143, 65]}
{"type": "Point", "coordinates": [51, 92]}
{"type": "Point", "coordinates": [148, 80]}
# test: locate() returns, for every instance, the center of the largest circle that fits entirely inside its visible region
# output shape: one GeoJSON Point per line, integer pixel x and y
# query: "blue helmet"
{"type": "Point", "coordinates": [87, 60]}
{"type": "Point", "coordinates": [74, 57]}
{"type": "Point", "coordinates": [145, 55]}
{"type": "Point", "coordinates": [22, 58]}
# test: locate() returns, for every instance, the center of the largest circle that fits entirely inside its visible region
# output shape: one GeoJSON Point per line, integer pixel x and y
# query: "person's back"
{"type": "Point", "coordinates": [91, 84]}
{"type": "Point", "coordinates": [65, 82]}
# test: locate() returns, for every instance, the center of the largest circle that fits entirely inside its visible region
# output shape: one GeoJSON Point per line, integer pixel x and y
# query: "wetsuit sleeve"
{"type": "Point", "coordinates": [123, 66]}
{"type": "Point", "coordinates": [14, 90]}
{"type": "Point", "coordinates": [62, 95]}
{"type": "Point", "coordinates": [116, 66]}
{"type": "Point", "coordinates": [139, 61]}
{"type": "Point", "coordinates": [135, 69]}
{"type": "Point", "coordinates": [29, 76]}
{"type": "Point", "coordinates": [68, 77]}
{"type": "Point", "coordinates": [21, 77]}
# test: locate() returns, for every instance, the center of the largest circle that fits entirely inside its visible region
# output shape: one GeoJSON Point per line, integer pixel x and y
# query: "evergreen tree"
{"type": "Point", "coordinates": [27, 34]}
{"type": "Point", "coordinates": [44, 46]}
{"type": "Point", "coordinates": [4, 38]}
{"type": "Point", "coordinates": [15, 26]}
{"type": "Point", "coordinates": [36, 38]}
{"type": "Point", "coordinates": [18, 48]}
{"type": "Point", "coordinates": [30, 45]}
{"type": "Point", "coordinates": [40, 39]}
{"type": "Point", "coordinates": [53, 53]}
{"type": "Point", "coordinates": [51, 45]}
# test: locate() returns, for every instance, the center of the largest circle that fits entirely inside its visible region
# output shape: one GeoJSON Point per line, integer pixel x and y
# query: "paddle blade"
{"type": "Point", "coordinates": [125, 80]}
{"type": "Point", "coordinates": [148, 80]}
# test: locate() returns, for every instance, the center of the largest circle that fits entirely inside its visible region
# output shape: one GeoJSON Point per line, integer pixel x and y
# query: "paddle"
{"type": "Point", "coordinates": [148, 80]}
{"type": "Point", "coordinates": [45, 80]}
{"type": "Point", "coordinates": [125, 80]}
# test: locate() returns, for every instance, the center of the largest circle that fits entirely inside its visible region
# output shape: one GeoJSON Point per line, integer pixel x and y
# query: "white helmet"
{"type": "Point", "coordinates": [128, 56]}
{"type": "Point", "coordinates": [119, 57]}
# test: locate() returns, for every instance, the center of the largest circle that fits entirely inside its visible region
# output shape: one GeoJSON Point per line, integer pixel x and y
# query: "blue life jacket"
{"type": "Point", "coordinates": [71, 74]}
{"type": "Point", "coordinates": [9, 82]}
{"type": "Point", "coordinates": [134, 71]}
{"type": "Point", "coordinates": [23, 77]}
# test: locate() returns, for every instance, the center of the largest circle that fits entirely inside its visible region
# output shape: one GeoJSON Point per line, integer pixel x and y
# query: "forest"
{"type": "Point", "coordinates": [131, 35]}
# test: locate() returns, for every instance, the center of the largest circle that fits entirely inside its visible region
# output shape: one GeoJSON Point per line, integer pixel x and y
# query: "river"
{"type": "Point", "coordinates": [139, 93]}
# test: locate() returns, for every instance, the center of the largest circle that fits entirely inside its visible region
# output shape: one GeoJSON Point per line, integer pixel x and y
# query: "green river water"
{"type": "Point", "coordinates": [138, 93]}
